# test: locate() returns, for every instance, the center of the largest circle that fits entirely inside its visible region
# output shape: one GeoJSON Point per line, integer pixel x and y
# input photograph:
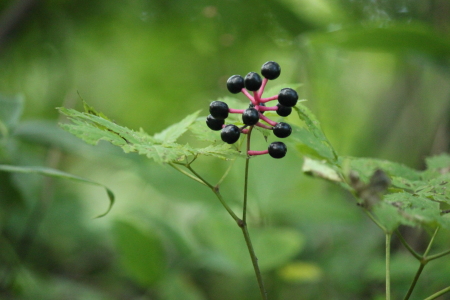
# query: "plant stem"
{"type": "Point", "coordinates": [439, 255]}
{"type": "Point", "coordinates": [407, 246]}
{"type": "Point", "coordinates": [440, 293]}
{"type": "Point", "coordinates": [247, 163]}
{"type": "Point", "coordinates": [248, 241]}
{"type": "Point", "coordinates": [413, 283]}
{"type": "Point", "coordinates": [423, 261]}
{"type": "Point", "coordinates": [375, 220]}
{"type": "Point", "coordinates": [388, 265]}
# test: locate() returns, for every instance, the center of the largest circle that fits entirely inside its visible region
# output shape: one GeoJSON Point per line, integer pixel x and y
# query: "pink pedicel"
{"type": "Point", "coordinates": [270, 108]}
{"type": "Point", "coordinates": [267, 120]}
{"type": "Point", "coordinates": [235, 111]}
{"type": "Point", "coordinates": [253, 152]}
{"type": "Point", "coordinates": [263, 86]}
{"type": "Point", "coordinates": [264, 100]}
{"type": "Point", "coordinates": [247, 94]}
{"type": "Point", "coordinates": [259, 124]}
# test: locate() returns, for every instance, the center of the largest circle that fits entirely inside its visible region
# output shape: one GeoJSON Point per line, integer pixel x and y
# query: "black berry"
{"type": "Point", "coordinates": [252, 81]}
{"type": "Point", "coordinates": [235, 84]}
{"type": "Point", "coordinates": [277, 149]}
{"type": "Point", "coordinates": [282, 130]}
{"type": "Point", "coordinates": [287, 97]}
{"type": "Point", "coordinates": [271, 70]}
{"type": "Point", "coordinates": [250, 116]}
{"type": "Point", "coordinates": [283, 111]}
{"type": "Point", "coordinates": [218, 109]}
{"type": "Point", "coordinates": [213, 123]}
{"type": "Point", "coordinates": [230, 134]}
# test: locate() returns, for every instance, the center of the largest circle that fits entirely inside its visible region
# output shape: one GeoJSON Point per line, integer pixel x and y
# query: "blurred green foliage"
{"type": "Point", "coordinates": [375, 73]}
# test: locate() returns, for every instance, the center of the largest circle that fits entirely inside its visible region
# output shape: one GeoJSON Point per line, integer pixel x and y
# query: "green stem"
{"type": "Point", "coordinates": [439, 255]}
{"type": "Point", "coordinates": [416, 278]}
{"type": "Point", "coordinates": [375, 220]}
{"type": "Point", "coordinates": [251, 251]}
{"type": "Point", "coordinates": [431, 242]}
{"type": "Point", "coordinates": [440, 293]}
{"type": "Point", "coordinates": [407, 246]}
{"type": "Point", "coordinates": [388, 265]}
{"type": "Point", "coordinates": [423, 261]}
{"type": "Point", "coordinates": [186, 173]}
{"type": "Point", "coordinates": [214, 189]}
{"type": "Point", "coordinates": [247, 163]}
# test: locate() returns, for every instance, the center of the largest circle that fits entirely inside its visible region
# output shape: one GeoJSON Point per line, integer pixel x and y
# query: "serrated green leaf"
{"type": "Point", "coordinates": [415, 209]}
{"type": "Point", "coordinates": [161, 147]}
{"type": "Point", "coordinates": [440, 163]}
{"type": "Point", "coordinates": [366, 166]}
{"type": "Point", "coordinates": [202, 132]}
{"type": "Point", "coordinates": [173, 132]}
{"type": "Point", "coordinates": [320, 169]}
{"type": "Point", "coordinates": [59, 174]}
{"type": "Point", "coordinates": [322, 146]}
{"type": "Point", "coordinates": [308, 144]}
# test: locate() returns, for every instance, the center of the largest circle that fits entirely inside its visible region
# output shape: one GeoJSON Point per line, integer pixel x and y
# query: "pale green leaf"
{"type": "Point", "coordinates": [173, 132]}
{"type": "Point", "coordinates": [320, 143]}
{"type": "Point", "coordinates": [320, 169]}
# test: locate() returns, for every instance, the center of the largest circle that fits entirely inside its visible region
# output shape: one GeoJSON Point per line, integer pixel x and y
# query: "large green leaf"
{"type": "Point", "coordinates": [313, 137]}
{"type": "Point", "coordinates": [161, 147]}
{"type": "Point", "coordinates": [59, 174]}
{"type": "Point", "coordinates": [396, 38]}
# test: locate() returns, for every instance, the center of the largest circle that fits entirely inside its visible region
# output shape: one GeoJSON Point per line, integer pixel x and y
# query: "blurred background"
{"type": "Point", "coordinates": [375, 72]}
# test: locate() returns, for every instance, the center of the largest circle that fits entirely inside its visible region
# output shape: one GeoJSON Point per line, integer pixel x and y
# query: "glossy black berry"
{"type": "Point", "coordinates": [283, 111]}
{"type": "Point", "coordinates": [250, 116]}
{"type": "Point", "coordinates": [235, 84]}
{"type": "Point", "coordinates": [230, 134]}
{"type": "Point", "coordinates": [277, 149]}
{"type": "Point", "coordinates": [252, 81]}
{"type": "Point", "coordinates": [213, 123]}
{"type": "Point", "coordinates": [218, 109]}
{"type": "Point", "coordinates": [287, 97]}
{"type": "Point", "coordinates": [282, 130]}
{"type": "Point", "coordinates": [271, 70]}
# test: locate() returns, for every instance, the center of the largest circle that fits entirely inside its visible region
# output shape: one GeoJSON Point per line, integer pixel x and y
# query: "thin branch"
{"type": "Point", "coordinates": [186, 173]}
{"type": "Point", "coordinates": [431, 242]}
{"type": "Point", "coordinates": [375, 220]}
{"type": "Point", "coordinates": [247, 162]}
{"type": "Point", "coordinates": [388, 265]}
{"type": "Point", "coordinates": [439, 255]}
{"type": "Point", "coordinates": [407, 246]}
{"type": "Point", "coordinates": [413, 283]}
{"type": "Point", "coordinates": [440, 293]}
{"type": "Point", "coordinates": [254, 261]}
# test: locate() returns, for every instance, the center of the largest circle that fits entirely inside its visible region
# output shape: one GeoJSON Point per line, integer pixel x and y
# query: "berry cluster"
{"type": "Point", "coordinates": [287, 98]}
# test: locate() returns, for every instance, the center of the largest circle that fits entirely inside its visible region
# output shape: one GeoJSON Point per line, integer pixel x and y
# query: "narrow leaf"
{"type": "Point", "coordinates": [59, 174]}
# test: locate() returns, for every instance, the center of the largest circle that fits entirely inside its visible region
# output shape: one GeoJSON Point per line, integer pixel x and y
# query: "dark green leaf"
{"type": "Point", "coordinates": [316, 139]}
{"type": "Point", "coordinates": [59, 174]}
{"type": "Point", "coordinates": [401, 39]}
